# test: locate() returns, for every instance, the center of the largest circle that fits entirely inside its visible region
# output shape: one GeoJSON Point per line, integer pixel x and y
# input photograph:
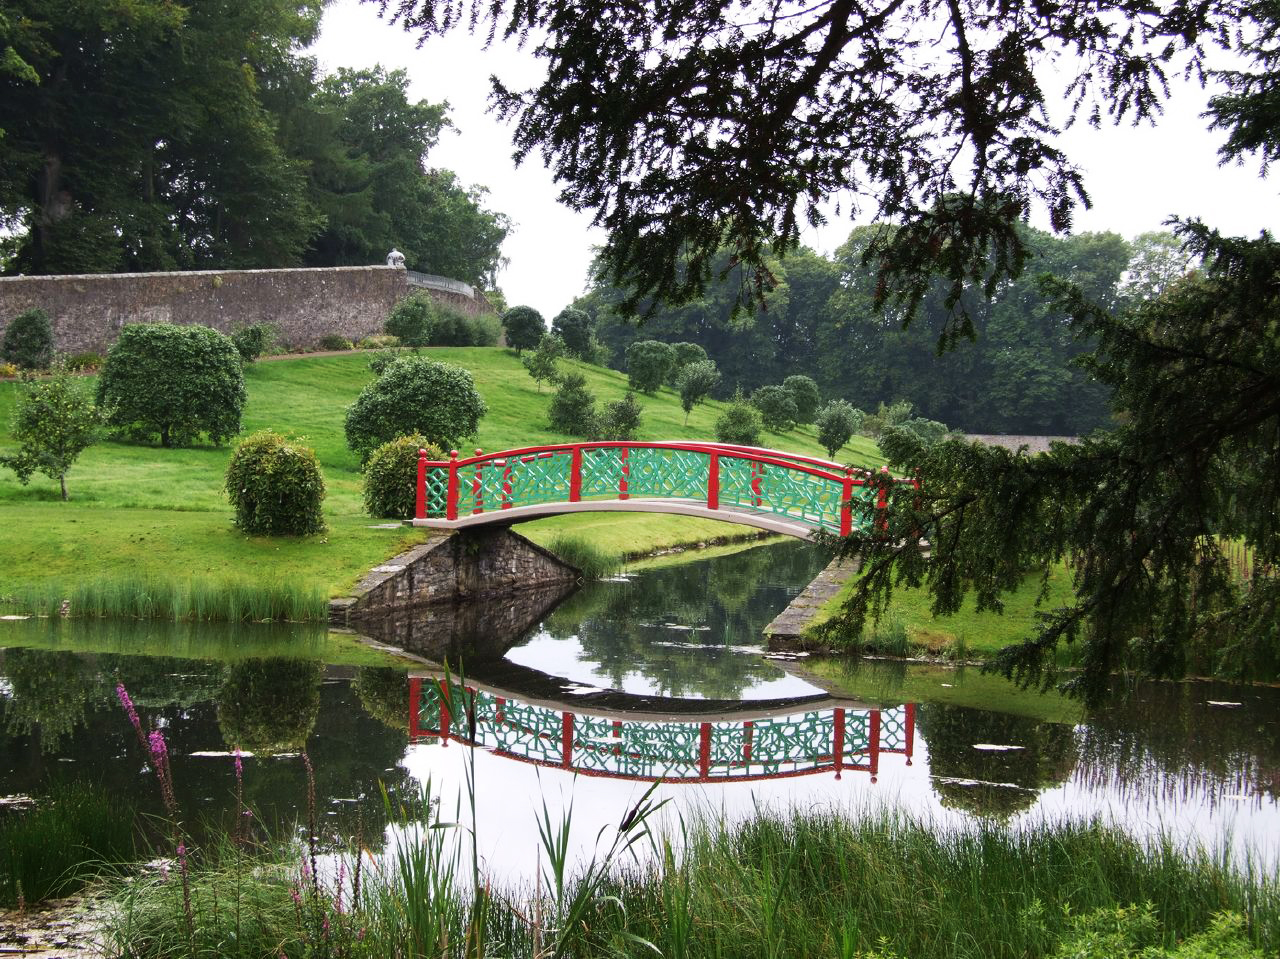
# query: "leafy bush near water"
{"type": "Point", "coordinates": [391, 476]}
{"type": "Point", "coordinates": [275, 486]}
{"type": "Point", "coordinates": [174, 382]}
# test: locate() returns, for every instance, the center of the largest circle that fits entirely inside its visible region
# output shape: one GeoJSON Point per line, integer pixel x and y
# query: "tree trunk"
{"type": "Point", "coordinates": [63, 480]}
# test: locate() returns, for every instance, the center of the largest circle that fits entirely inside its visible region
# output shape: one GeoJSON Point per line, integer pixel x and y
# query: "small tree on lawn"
{"type": "Point", "coordinates": [682, 355]}
{"type": "Point", "coordinates": [804, 393]}
{"type": "Point", "coordinates": [648, 362]}
{"type": "Point", "coordinates": [541, 363]}
{"type": "Point", "coordinates": [777, 408]}
{"type": "Point", "coordinates": [174, 382]}
{"type": "Point", "coordinates": [54, 422]}
{"type": "Point", "coordinates": [697, 380]}
{"type": "Point", "coordinates": [28, 341]}
{"type": "Point", "coordinates": [524, 327]}
{"type": "Point", "coordinates": [837, 422]}
{"type": "Point", "coordinates": [575, 328]}
{"type": "Point", "coordinates": [415, 395]}
{"type": "Point", "coordinates": [740, 424]}
{"type": "Point", "coordinates": [573, 407]}
{"type": "Point", "coordinates": [621, 418]}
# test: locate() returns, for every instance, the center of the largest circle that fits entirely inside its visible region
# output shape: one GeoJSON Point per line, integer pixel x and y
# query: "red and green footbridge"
{"type": "Point", "coordinates": [769, 489]}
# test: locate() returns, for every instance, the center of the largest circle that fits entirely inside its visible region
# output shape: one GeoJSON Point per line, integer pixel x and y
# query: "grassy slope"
{"type": "Point", "coordinates": [140, 510]}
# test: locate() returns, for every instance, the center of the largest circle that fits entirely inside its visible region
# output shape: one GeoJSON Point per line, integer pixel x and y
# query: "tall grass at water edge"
{"type": "Point", "coordinates": [190, 600]}
{"type": "Point", "coordinates": [59, 844]}
{"type": "Point", "coordinates": [778, 885]}
{"type": "Point", "coordinates": [592, 561]}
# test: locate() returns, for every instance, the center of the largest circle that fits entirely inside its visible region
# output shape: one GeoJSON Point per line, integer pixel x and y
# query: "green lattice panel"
{"type": "Point", "coordinates": [893, 729]}
{"type": "Point", "coordinates": [784, 492]}
{"type": "Point", "coordinates": [799, 740]}
{"type": "Point", "coordinates": [857, 733]}
{"type": "Point", "coordinates": [667, 473]}
{"type": "Point", "coordinates": [437, 490]}
{"type": "Point", "coordinates": [431, 707]}
{"type": "Point", "coordinates": [533, 732]}
{"type": "Point", "coordinates": [602, 471]}
{"type": "Point", "coordinates": [863, 508]}
{"type": "Point", "coordinates": [667, 750]}
{"type": "Point", "coordinates": [539, 478]}
{"type": "Point", "coordinates": [736, 476]}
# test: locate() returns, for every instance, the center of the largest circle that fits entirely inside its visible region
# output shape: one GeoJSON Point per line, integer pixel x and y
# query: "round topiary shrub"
{"type": "Point", "coordinates": [524, 327]}
{"type": "Point", "coordinates": [777, 408]}
{"type": "Point", "coordinates": [269, 705]}
{"type": "Point", "coordinates": [391, 477]}
{"type": "Point", "coordinates": [28, 341]}
{"type": "Point", "coordinates": [175, 382]}
{"type": "Point", "coordinates": [413, 320]}
{"type": "Point", "coordinates": [276, 487]}
{"type": "Point", "coordinates": [415, 394]}
{"type": "Point", "coordinates": [740, 424]}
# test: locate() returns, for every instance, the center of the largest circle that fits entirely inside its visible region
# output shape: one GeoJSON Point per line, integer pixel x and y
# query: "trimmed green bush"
{"type": "Point", "coordinates": [254, 340]}
{"type": "Point", "coordinates": [777, 408]}
{"type": "Point", "coordinates": [418, 320]}
{"type": "Point", "coordinates": [648, 362]}
{"type": "Point", "coordinates": [28, 341]}
{"type": "Point", "coordinates": [78, 362]}
{"type": "Point", "coordinates": [174, 382]}
{"type": "Point", "coordinates": [333, 342]}
{"type": "Point", "coordinates": [620, 420]}
{"type": "Point", "coordinates": [804, 393]}
{"type": "Point", "coordinates": [275, 485]}
{"type": "Point", "coordinates": [391, 476]}
{"type": "Point", "coordinates": [683, 354]}
{"type": "Point", "coordinates": [415, 395]}
{"type": "Point", "coordinates": [269, 705]}
{"type": "Point", "coordinates": [573, 407]}
{"type": "Point", "coordinates": [576, 328]}
{"type": "Point", "coordinates": [524, 327]}
{"type": "Point", "coordinates": [412, 320]}
{"type": "Point", "coordinates": [740, 424]}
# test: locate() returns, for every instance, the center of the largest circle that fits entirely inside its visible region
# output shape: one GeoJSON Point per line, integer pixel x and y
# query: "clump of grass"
{"type": "Point", "coordinates": [191, 600]}
{"type": "Point", "coordinates": [586, 556]}
{"type": "Point", "coordinates": [61, 843]}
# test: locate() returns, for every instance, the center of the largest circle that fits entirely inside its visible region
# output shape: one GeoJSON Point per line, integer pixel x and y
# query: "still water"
{"type": "Point", "coordinates": [660, 674]}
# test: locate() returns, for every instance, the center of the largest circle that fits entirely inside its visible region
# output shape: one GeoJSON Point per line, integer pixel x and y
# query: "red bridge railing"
{"type": "Point", "coordinates": [815, 492]}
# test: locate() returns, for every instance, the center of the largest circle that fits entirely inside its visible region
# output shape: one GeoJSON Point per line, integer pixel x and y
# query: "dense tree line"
{"type": "Point", "coordinates": [152, 135]}
{"type": "Point", "coordinates": [822, 320]}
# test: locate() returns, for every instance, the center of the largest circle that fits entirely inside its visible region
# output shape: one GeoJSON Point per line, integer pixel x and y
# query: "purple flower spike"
{"type": "Point", "coordinates": [239, 765]}
{"type": "Point", "coordinates": [123, 695]}
{"type": "Point", "coordinates": [159, 748]}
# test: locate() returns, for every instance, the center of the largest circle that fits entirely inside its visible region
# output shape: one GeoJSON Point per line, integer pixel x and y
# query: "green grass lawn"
{"type": "Point", "coordinates": [145, 511]}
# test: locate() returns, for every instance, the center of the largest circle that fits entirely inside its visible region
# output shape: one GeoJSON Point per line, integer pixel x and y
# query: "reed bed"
{"type": "Point", "coordinates": [591, 560]}
{"type": "Point", "coordinates": [778, 885]}
{"type": "Point", "coordinates": [61, 843]}
{"type": "Point", "coordinates": [177, 600]}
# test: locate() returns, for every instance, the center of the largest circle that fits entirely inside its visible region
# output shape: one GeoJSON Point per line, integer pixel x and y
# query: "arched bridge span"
{"type": "Point", "coordinates": [772, 490]}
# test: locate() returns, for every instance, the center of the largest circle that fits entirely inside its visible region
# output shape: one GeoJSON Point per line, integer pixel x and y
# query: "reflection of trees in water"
{"type": "Point", "coordinates": [1163, 742]}
{"type": "Point", "coordinates": [50, 694]}
{"type": "Point", "coordinates": [269, 705]}
{"type": "Point", "coordinates": [384, 694]}
{"type": "Point", "coordinates": [726, 600]}
{"type": "Point", "coordinates": [1006, 782]}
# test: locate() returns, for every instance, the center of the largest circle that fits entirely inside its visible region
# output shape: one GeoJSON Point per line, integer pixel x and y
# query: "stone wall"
{"type": "Point", "coordinates": [88, 311]}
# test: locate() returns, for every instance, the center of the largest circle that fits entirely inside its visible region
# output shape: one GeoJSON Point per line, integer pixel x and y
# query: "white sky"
{"type": "Point", "coordinates": [1136, 177]}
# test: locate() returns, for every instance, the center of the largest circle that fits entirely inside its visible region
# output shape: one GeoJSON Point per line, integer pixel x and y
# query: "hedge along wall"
{"type": "Point", "coordinates": [88, 311]}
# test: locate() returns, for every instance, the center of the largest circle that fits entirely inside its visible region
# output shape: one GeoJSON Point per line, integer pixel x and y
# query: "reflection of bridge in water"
{"type": "Point", "coordinates": [831, 739]}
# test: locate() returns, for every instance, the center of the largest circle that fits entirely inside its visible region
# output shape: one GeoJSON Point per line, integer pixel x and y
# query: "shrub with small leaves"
{"type": "Point", "coordinates": [697, 380]}
{"type": "Point", "coordinates": [573, 407]}
{"type": "Point", "coordinates": [381, 359]}
{"type": "Point", "coordinates": [740, 424]}
{"type": "Point", "coordinates": [620, 420]}
{"type": "Point", "coordinates": [576, 328]}
{"type": "Point", "coordinates": [541, 363]}
{"type": "Point", "coordinates": [682, 355]}
{"type": "Point", "coordinates": [254, 340]}
{"type": "Point", "coordinates": [391, 477]}
{"type": "Point", "coordinates": [28, 341]}
{"type": "Point", "coordinates": [333, 342]}
{"type": "Point", "coordinates": [415, 395]}
{"type": "Point", "coordinates": [275, 485]}
{"type": "Point", "coordinates": [524, 327]}
{"type": "Point", "coordinates": [648, 362]}
{"type": "Point", "coordinates": [804, 393]}
{"type": "Point", "coordinates": [77, 362]}
{"type": "Point", "coordinates": [837, 422]}
{"type": "Point", "coordinates": [175, 382]}
{"type": "Point", "coordinates": [777, 408]}
{"type": "Point", "coordinates": [379, 342]}
{"type": "Point", "coordinates": [412, 320]}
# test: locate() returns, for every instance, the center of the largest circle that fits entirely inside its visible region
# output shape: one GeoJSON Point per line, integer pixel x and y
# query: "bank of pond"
{"type": "Point", "coordinates": [626, 770]}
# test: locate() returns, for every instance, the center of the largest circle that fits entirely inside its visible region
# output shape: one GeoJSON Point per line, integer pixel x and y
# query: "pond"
{"type": "Point", "coordinates": [657, 674]}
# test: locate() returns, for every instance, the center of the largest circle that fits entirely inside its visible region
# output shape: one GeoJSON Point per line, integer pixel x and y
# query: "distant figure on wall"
{"type": "Point", "coordinates": [395, 258]}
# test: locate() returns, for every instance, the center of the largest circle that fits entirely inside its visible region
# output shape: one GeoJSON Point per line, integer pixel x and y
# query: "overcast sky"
{"type": "Point", "coordinates": [1136, 177]}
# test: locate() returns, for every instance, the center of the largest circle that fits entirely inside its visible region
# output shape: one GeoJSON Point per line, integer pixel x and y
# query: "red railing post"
{"type": "Point", "coordinates": [575, 475]}
{"type": "Point", "coordinates": [420, 505]}
{"type": "Point", "coordinates": [445, 718]}
{"type": "Point", "coordinates": [415, 707]}
{"type": "Point", "coordinates": [911, 730]}
{"type": "Point", "coordinates": [846, 503]}
{"type": "Point", "coordinates": [748, 735]}
{"type": "Point", "coordinates": [837, 742]}
{"type": "Point", "coordinates": [875, 743]}
{"type": "Point", "coordinates": [756, 469]}
{"type": "Point", "coordinates": [713, 482]}
{"type": "Point", "coordinates": [882, 501]}
{"type": "Point", "coordinates": [622, 478]}
{"type": "Point", "coordinates": [704, 751]}
{"type": "Point", "coordinates": [451, 497]}
{"type": "Point", "coordinates": [566, 740]}
{"type": "Point", "coordinates": [477, 491]}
